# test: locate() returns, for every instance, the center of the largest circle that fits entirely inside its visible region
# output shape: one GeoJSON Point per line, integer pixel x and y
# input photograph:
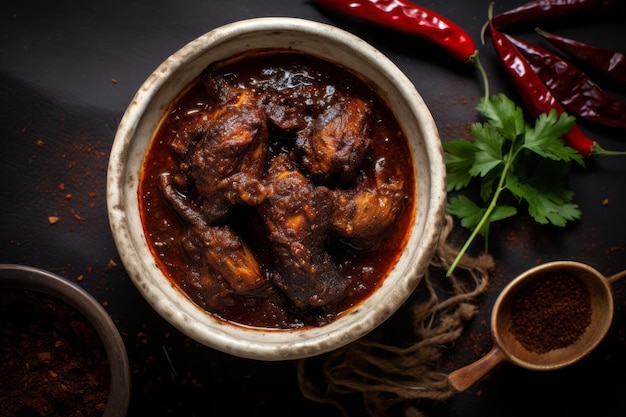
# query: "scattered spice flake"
{"type": "Point", "coordinates": [114, 80]}
{"type": "Point", "coordinates": [53, 219]}
{"type": "Point", "coordinates": [605, 202]}
{"type": "Point", "coordinates": [91, 195]}
{"type": "Point", "coordinates": [79, 218]}
{"type": "Point", "coordinates": [143, 339]}
{"type": "Point", "coordinates": [112, 263]}
{"type": "Point", "coordinates": [80, 277]}
{"type": "Point", "coordinates": [40, 143]}
{"type": "Point", "coordinates": [68, 196]}
{"type": "Point", "coordinates": [105, 304]}
{"type": "Point", "coordinates": [613, 249]}
{"type": "Point", "coordinates": [62, 186]}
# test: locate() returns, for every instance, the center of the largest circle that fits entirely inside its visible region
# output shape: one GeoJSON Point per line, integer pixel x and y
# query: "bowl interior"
{"type": "Point", "coordinates": [142, 118]}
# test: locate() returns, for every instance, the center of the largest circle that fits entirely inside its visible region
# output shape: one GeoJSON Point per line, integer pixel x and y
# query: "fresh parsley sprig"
{"type": "Point", "coordinates": [507, 155]}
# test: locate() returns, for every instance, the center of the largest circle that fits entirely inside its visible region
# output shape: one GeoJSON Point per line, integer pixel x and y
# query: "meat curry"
{"type": "Point", "coordinates": [278, 190]}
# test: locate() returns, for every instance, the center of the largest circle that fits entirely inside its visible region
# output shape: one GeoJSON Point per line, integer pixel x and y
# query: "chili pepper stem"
{"type": "Point", "coordinates": [475, 61]}
{"type": "Point", "coordinates": [597, 150]}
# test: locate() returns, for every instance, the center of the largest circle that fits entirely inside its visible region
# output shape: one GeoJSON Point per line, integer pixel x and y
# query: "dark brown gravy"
{"type": "Point", "coordinates": [164, 229]}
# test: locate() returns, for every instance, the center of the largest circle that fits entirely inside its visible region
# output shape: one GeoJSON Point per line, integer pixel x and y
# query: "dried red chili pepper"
{"type": "Point", "coordinates": [536, 96]}
{"type": "Point", "coordinates": [550, 9]}
{"type": "Point", "coordinates": [601, 60]}
{"type": "Point", "coordinates": [572, 87]}
{"type": "Point", "coordinates": [407, 17]}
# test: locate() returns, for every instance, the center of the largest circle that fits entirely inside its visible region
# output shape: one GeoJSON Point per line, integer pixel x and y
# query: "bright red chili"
{"type": "Point", "coordinates": [535, 95]}
{"type": "Point", "coordinates": [601, 60]}
{"type": "Point", "coordinates": [550, 9]}
{"type": "Point", "coordinates": [572, 87]}
{"type": "Point", "coordinates": [407, 17]}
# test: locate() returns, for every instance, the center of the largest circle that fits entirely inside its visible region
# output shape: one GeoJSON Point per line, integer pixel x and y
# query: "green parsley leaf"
{"type": "Point", "coordinates": [471, 214]}
{"type": "Point", "coordinates": [503, 114]}
{"type": "Point", "coordinates": [466, 210]}
{"type": "Point", "coordinates": [507, 155]}
{"type": "Point", "coordinates": [459, 157]}
{"type": "Point", "coordinates": [544, 138]}
{"type": "Point", "coordinates": [544, 188]}
{"type": "Point", "coordinates": [489, 144]}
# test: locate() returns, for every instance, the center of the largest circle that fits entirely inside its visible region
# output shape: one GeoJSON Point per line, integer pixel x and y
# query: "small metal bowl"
{"type": "Point", "coordinates": [37, 280]}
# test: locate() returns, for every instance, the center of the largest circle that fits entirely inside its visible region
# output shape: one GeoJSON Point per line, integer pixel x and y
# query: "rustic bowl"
{"type": "Point", "coordinates": [37, 280]}
{"type": "Point", "coordinates": [142, 118]}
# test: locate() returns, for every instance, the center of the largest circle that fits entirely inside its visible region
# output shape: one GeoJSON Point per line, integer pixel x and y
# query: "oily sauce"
{"type": "Point", "coordinates": [367, 268]}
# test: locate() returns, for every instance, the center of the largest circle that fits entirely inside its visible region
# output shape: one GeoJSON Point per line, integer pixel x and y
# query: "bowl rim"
{"type": "Point", "coordinates": [266, 344]}
{"type": "Point", "coordinates": [24, 277]}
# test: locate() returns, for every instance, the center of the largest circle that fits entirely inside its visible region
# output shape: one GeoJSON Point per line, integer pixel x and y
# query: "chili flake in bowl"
{"type": "Point", "coordinates": [61, 352]}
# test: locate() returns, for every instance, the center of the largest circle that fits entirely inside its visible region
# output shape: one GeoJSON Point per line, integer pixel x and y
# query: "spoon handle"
{"type": "Point", "coordinates": [617, 276]}
{"type": "Point", "coordinates": [463, 378]}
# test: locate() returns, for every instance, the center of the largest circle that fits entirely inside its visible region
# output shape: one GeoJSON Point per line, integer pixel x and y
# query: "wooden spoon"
{"type": "Point", "coordinates": [508, 347]}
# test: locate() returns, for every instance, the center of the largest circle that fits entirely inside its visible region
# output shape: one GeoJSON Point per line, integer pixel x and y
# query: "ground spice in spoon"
{"type": "Point", "coordinates": [551, 312]}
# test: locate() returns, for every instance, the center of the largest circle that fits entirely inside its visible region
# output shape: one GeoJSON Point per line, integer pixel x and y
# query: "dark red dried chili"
{"type": "Point", "coordinates": [549, 9]}
{"type": "Point", "coordinates": [574, 89]}
{"type": "Point", "coordinates": [603, 61]}
{"type": "Point", "coordinates": [407, 17]}
{"type": "Point", "coordinates": [535, 95]}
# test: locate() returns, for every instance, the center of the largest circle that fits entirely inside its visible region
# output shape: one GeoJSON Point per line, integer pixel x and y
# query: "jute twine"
{"type": "Point", "coordinates": [388, 376]}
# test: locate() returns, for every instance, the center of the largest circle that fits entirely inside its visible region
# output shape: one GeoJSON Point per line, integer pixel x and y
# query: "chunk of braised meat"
{"type": "Point", "coordinates": [223, 90]}
{"type": "Point", "coordinates": [192, 124]}
{"type": "Point", "coordinates": [225, 263]}
{"type": "Point", "coordinates": [296, 215]}
{"type": "Point", "coordinates": [337, 141]}
{"type": "Point", "coordinates": [226, 164]}
{"type": "Point", "coordinates": [363, 213]}
{"type": "Point", "coordinates": [290, 98]}
{"type": "Point", "coordinates": [209, 292]}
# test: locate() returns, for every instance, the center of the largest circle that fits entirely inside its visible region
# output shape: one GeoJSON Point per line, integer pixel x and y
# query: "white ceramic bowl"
{"type": "Point", "coordinates": [142, 118]}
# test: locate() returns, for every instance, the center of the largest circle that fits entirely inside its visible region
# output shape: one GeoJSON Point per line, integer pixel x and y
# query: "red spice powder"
{"type": "Point", "coordinates": [53, 362]}
{"type": "Point", "coordinates": [551, 312]}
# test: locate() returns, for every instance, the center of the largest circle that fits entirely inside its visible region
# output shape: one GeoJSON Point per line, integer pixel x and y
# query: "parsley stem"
{"type": "Point", "coordinates": [492, 205]}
